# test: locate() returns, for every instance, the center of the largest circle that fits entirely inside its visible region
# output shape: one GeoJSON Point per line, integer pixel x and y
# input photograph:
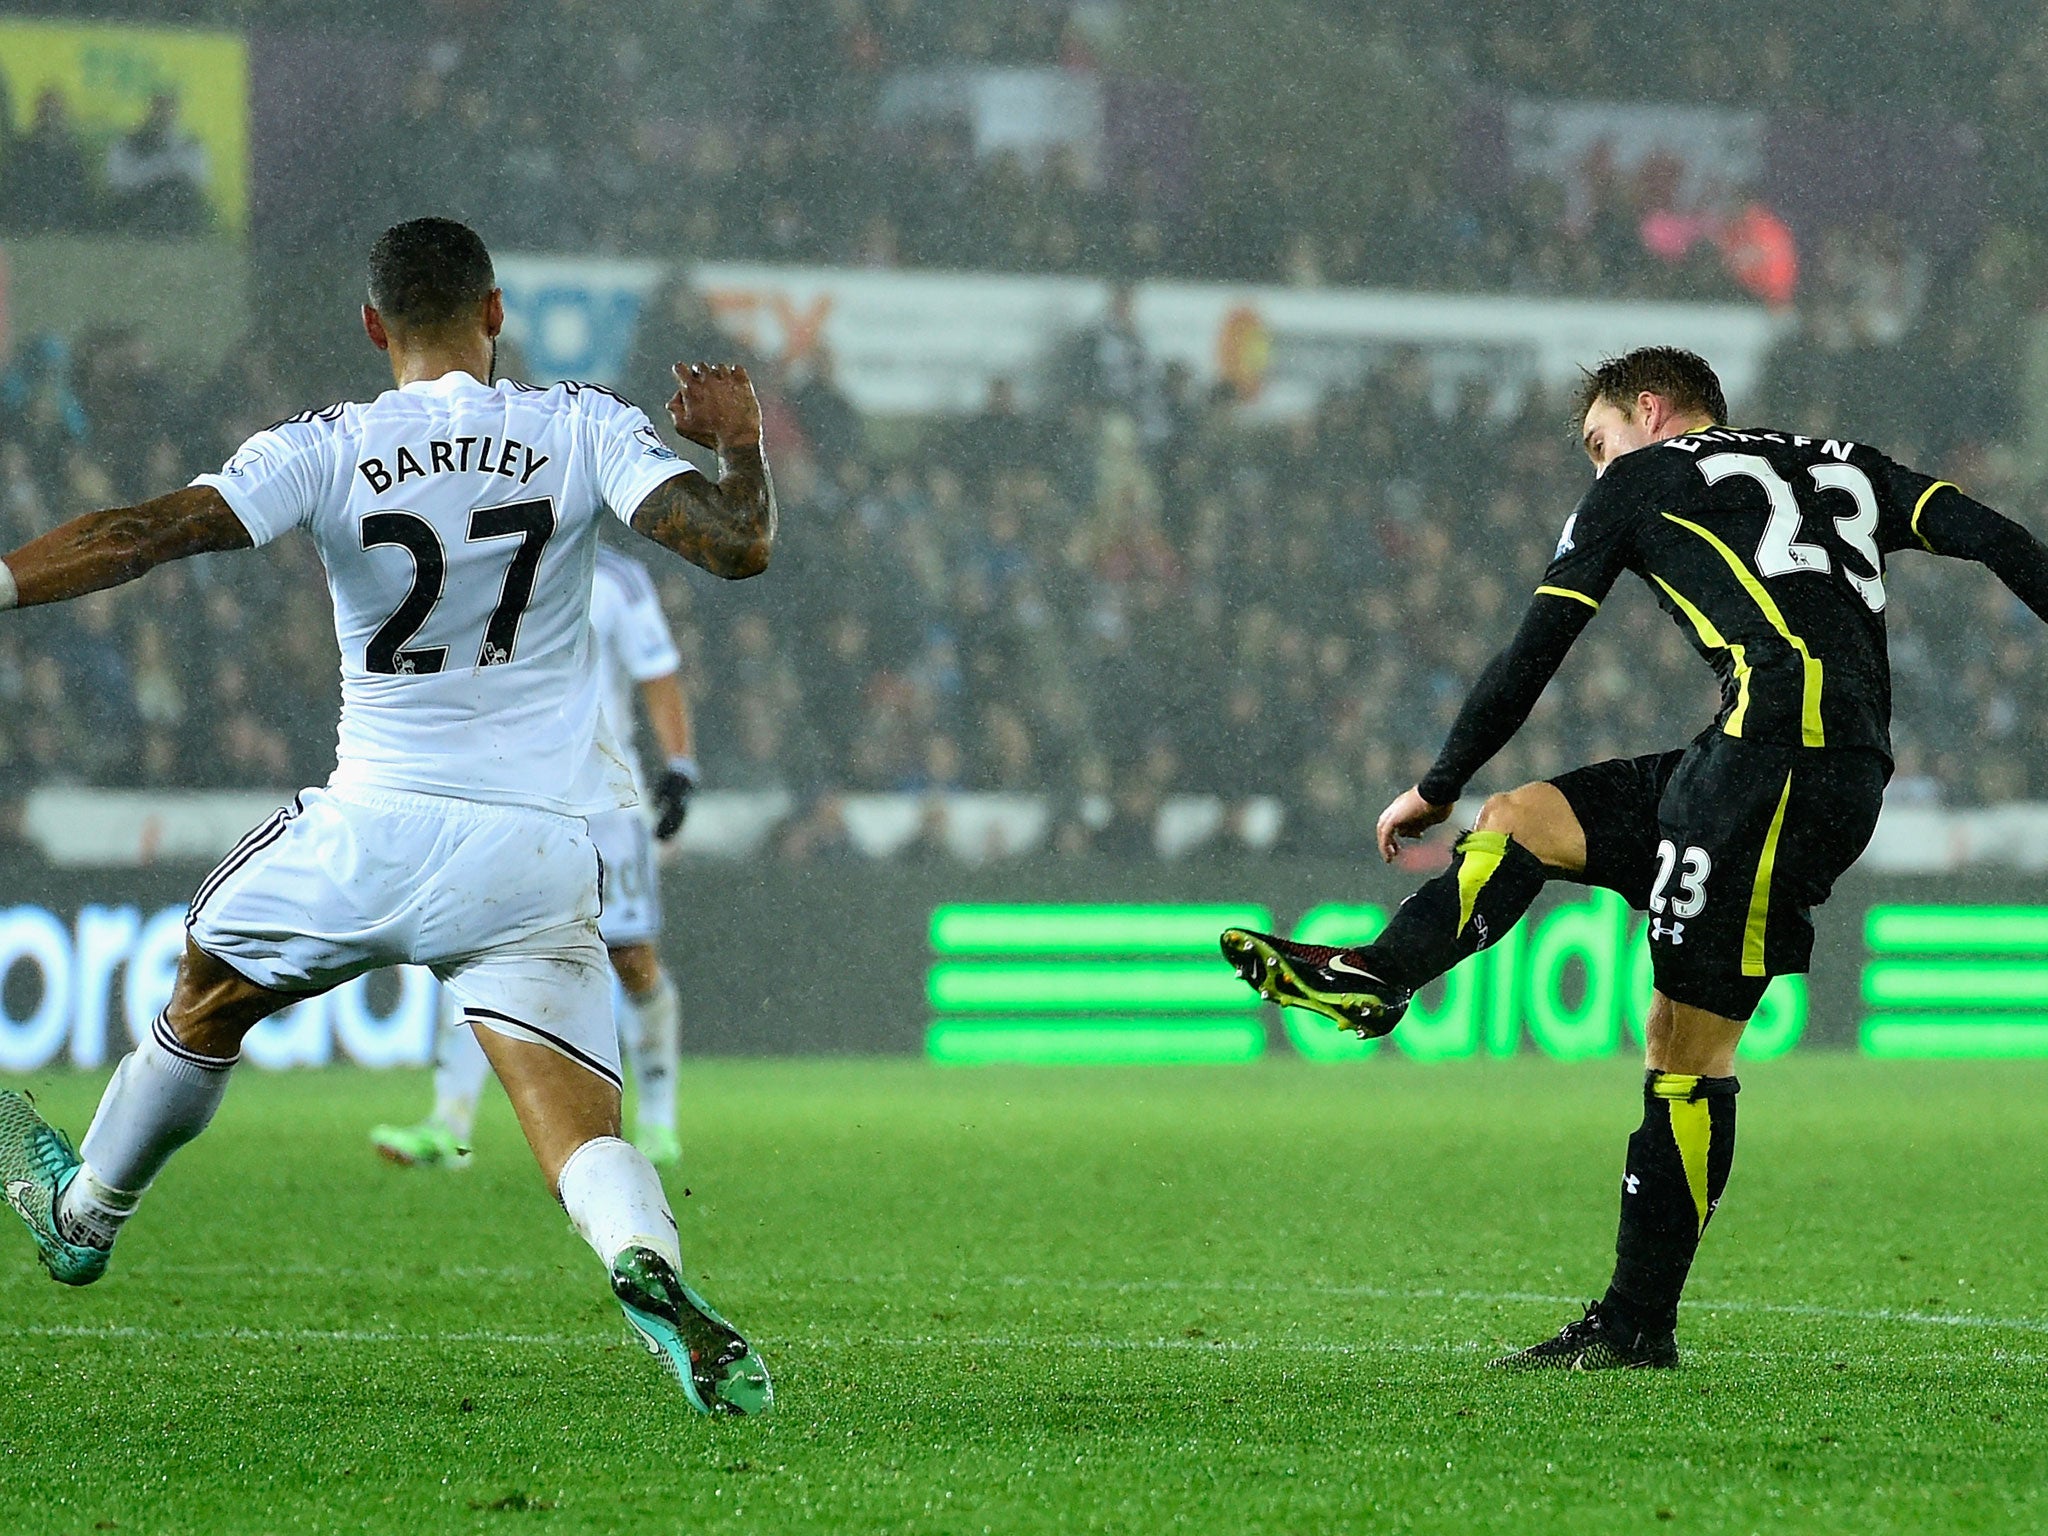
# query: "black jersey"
{"type": "Point", "coordinates": [1768, 549]}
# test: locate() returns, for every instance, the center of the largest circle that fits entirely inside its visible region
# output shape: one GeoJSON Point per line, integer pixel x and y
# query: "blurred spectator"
{"type": "Point", "coordinates": [156, 175]}
{"type": "Point", "coordinates": [827, 417]}
{"type": "Point", "coordinates": [43, 184]}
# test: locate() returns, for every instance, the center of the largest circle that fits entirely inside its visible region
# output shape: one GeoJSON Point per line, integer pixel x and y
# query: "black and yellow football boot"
{"type": "Point", "coordinates": [1319, 978]}
{"type": "Point", "coordinates": [1596, 1342]}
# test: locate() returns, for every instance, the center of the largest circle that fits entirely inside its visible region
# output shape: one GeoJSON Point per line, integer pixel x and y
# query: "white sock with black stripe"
{"type": "Point", "coordinates": [161, 1095]}
{"type": "Point", "coordinates": [614, 1197]}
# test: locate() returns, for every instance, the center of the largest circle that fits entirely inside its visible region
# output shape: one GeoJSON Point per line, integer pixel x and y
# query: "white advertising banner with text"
{"type": "Point", "coordinates": [918, 344]}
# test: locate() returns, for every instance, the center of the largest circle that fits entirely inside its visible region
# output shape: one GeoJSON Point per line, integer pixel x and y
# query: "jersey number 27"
{"type": "Point", "coordinates": [532, 523]}
{"type": "Point", "coordinates": [1779, 552]}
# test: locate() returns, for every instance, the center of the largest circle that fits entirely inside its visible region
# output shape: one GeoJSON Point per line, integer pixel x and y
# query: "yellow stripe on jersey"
{"type": "Point", "coordinates": [1811, 732]}
{"type": "Point", "coordinates": [1760, 893]}
{"type": "Point", "coordinates": [1713, 639]}
{"type": "Point", "coordinates": [1921, 505]}
{"type": "Point", "coordinates": [1568, 592]}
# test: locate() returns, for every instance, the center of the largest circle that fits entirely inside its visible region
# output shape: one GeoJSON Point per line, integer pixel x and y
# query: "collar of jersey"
{"type": "Point", "coordinates": [455, 378]}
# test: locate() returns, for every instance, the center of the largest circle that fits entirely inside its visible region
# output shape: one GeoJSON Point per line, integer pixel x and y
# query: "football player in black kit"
{"type": "Point", "coordinates": [1768, 549]}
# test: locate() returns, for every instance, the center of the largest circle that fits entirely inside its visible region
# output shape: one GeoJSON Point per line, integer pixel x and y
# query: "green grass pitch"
{"type": "Point", "coordinates": [1229, 1299]}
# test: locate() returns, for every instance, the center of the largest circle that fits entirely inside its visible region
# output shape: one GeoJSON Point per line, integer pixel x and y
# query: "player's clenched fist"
{"type": "Point", "coordinates": [714, 405]}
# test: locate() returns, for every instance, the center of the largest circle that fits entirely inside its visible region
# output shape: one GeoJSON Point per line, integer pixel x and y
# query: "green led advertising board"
{"type": "Point", "coordinates": [1956, 982]}
{"type": "Point", "coordinates": [1144, 984]}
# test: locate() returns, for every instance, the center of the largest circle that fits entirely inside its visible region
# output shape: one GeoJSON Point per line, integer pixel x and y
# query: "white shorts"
{"type": "Point", "coordinates": [632, 880]}
{"type": "Point", "coordinates": [499, 901]}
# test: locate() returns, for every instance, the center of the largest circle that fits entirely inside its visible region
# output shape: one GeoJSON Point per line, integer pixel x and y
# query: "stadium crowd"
{"type": "Point", "coordinates": [847, 134]}
{"type": "Point", "coordinates": [1136, 595]}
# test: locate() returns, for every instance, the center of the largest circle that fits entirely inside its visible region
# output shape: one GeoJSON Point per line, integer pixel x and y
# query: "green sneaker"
{"type": "Point", "coordinates": [430, 1144]}
{"type": "Point", "coordinates": [658, 1144]}
{"type": "Point", "coordinates": [37, 1163]}
{"type": "Point", "coordinates": [718, 1370]}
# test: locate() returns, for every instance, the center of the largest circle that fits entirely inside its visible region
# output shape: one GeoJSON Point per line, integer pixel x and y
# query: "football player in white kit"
{"type": "Point", "coordinates": [635, 652]}
{"type": "Point", "coordinates": [457, 519]}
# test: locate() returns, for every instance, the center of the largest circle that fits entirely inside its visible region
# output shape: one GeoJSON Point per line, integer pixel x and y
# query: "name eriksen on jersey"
{"type": "Point", "coordinates": [445, 456]}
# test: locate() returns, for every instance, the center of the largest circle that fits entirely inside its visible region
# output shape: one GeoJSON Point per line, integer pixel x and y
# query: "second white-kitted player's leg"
{"type": "Point", "coordinates": [460, 1072]}
{"type": "Point", "coordinates": [651, 1033]}
{"type": "Point", "coordinates": [541, 1011]}
{"type": "Point", "coordinates": [650, 1023]}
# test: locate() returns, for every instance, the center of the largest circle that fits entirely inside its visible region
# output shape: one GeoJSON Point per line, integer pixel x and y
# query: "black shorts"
{"type": "Point", "coordinates": [1729, 845]}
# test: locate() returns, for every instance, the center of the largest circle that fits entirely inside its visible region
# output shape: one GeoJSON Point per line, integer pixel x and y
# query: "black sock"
{"type": "Point", "coordinates": [1678, 1162]}
{"type": "Point", "coordinates": [1491, 881]}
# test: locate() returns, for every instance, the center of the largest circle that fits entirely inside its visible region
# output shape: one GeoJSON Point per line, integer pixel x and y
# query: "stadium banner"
{"type": "Point", "coordinates": [1052, 962]}
{"type": "Point", "coordinates": [1280, 348]}
{"type": "Point", "coordinates": [108, 74]}
{"type": "Point", "coordinates": [189, 299]}
{"type": "Point", "coordinates": [917, 344]}
{"type": "Point", "coordinates": [574, 317]}
{"type": "Point", "coordinates": [1693, 154]}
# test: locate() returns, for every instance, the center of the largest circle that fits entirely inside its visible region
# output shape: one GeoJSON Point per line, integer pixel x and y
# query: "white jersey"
{"type": "Point", "coordinates": [633, 644]}
{"type": "Point", "coordinates": [458, 525]}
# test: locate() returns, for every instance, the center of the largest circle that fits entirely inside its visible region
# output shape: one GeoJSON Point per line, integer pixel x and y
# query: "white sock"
{"type": "Point", "coordinates": [614, 1197]}
{"type": "Point", "coordinates": [653, 1047]}
{"type": "Point", "coordinates": [460, 1068]}
{"type": "Point", "coordinates": [161, 1096]}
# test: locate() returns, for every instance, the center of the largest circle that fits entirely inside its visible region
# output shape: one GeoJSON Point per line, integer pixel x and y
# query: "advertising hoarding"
{"type": "Point", "coordinates": [932, 343]}
{"type": "Point", "coordinates": [1045, 961]}
{"type": "Point", "coordinates": [107, 75]}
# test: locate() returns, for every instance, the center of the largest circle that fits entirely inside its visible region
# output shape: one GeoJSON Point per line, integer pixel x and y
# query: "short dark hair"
{"type": "Point", "coordinates": [1684, 378]}
{"type": "Point", "coordinates": [426, 272]}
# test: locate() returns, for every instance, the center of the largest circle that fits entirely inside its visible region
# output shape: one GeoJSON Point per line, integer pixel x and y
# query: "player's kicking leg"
{"type": "Point", "coordinates": [1522, 839]}
{"type": "Point", "coordinates": [161, 1095]}
{"type": "Point", "coordinates": [460, 1070]}
{"type": "Point", "coordinates": [650, 1033]}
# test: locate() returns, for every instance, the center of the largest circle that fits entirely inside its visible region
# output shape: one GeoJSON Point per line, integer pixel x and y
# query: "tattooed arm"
{"type": "Point", "coordinates": [106, 549]}
{"type": "Point", "coordinates": [726, 525]}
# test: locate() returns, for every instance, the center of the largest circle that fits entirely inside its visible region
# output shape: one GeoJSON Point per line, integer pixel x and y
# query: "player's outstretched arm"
{"type": "Point", "coordinates": [107, 549]}
{"type": "Point", "coordinates": [1964, 528]}
{"type": "Point", "coordinates": [727, 525]}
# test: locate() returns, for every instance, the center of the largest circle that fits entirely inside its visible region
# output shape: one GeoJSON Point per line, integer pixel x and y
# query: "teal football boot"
{"type": "Point", "coordinates": [717, 1369]}
{"type": "Point", "coordinates": [37, 1164]}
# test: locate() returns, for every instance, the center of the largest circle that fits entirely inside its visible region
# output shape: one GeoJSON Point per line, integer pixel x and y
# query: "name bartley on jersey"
{"type": "Point", "coordinates": [446, 456]}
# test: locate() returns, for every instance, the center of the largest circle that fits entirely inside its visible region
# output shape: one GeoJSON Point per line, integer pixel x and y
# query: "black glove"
{"type": "Point", "coordinates": [672, 796]}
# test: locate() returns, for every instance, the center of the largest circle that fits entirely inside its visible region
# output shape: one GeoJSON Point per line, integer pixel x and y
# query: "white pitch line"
{"type": "Point", "coordinates": [1137, 1287]}
{"type": "Point", "coordinates": [126, 1332]}
{"type": "Point", "coordinates": [1535, 1298]}
{"type": "Point", "coordinates": [1881, 1315]}
{"type": "Point", "coordinates": [119, 1331]}
{"type": "Point", "coordinates": [959, 1343]}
